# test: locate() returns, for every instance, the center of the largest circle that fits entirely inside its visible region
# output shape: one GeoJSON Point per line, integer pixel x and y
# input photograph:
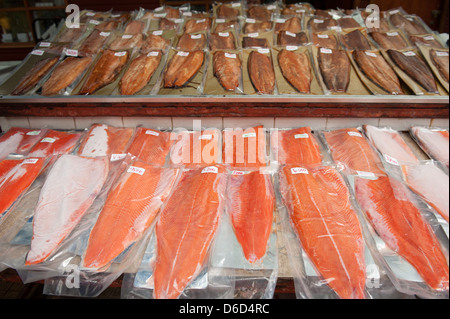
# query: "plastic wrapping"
{"type": "Point", "coordinates": [438, 61]}
{"type": "Point", "coordinates": [56, 143]}
{"type": "Point", "coordinates": [191, 41]}
{"type": "Point", "coordinates": [18, 140]}
{"type": "Point", "coordinates": [259, 73]}
{"type": "Point", "coordinates": [394, 39]}
{"type": "Point", "coordinates": [325, 39]}
{"type": "Point", "coordinates": [124, 41]}
{"type": "Point", "coordinates": [229, 10]}
{"type": "Point", "coordinates": [330, 251]}
{"type": "Point", "coordinates": [430, 40]}
{"type": "Point", "coordinates": [197, 24]}
{"type": "Point", "coordinates": [251, 26]}
{"type": "Point", "coordinates": [356, 39]}
{"type": "Point", "coordinates": [412, 243]}
{"type": "Point", "coordinates": [93, 43]}
{"type": "Point", "coordinates": [433, 141]}
{"type": "Point", "coordinates": [227, 40]}
{"type": "Point", "coordinates": [256, 40]}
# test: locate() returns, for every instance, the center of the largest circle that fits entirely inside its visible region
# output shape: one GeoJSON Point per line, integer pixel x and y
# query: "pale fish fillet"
{"type": "Point", "coordinates": [434, 142]}
{"type": "Point", "coordinates": [69, 190]}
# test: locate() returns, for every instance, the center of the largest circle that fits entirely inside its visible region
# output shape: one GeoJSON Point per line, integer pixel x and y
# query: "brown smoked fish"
{"type": "Point", "coordinates": [139, 73]}
{"type": "Point", "coordinates": [389, 40]}
{"type": "Point", "coordinates": [440, 60]}
{"type": "Point", "coordinates": [227, 69]}
{"type": "Point", "coordinates": [32, 77]}
{"type": "Point", "coordinates": [182, 67]}
{"type": "Point", "coordinates": [287, 38]}
{"type": "Point", "coordinates": [222, 41]}
{"type": "Point", "coordinates": [296, 69]}
{"type": "Point", "coordinates": [335, 69]}
{"type": "Point", "coordinates": [355, 40]}
{"type": "Point", "coordinates": [261, 72]}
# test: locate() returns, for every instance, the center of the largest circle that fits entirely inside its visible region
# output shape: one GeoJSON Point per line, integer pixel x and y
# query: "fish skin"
{"type": "Point", "coordinates": [327, 226]}
{"type": "Point", "coordinates": [181, 69]}
{"type": "Point", "coordinates": [328, 43]}
{"type": "Point", "coordinates": [69, 190]}
{"type": "Point", "coordinates": [249, 42]}
{"type": "Point", "coordinates": [218, 42]}
{"type": "Point", "coordinates": [257, 27]}
{"type": "Point", "coordinates": [416, 69]}
{"type": "Point", "coordinates": [386, 41]}
{"type": "Point", "coordinates": [390, 142]}
{"type": "Point", "coordinates": [285, 39]}
{"type": "Point", "coordinates": [92, 44]}
{"type": "Point", "coordinates": [131, 207]}
{"type": "Point", "coordinates": [377, 70]}
{"type": "Point", "coordinates": [135, 27]}
{"type": "Point", "coordinates": [187, 43]}
{"type": "Point", "coordinates": [185, 229]}
{"type": "Point", "coordinates": [410, 27]}
{"type": "Point", "coordinates": [296, 69]}
{"type": "Point", "coordinates": [387, 204]}
{"type": "Point", "coordinates": [335, 69]}
{"type": "Point", "coordinates": [65, 74]}
{"type": "Point", "coordinates": [441, 63]}
{"type": "Point", "coordinates": [227, 70]}
{"type": "Point", "coordinates": [293, 25]}
{"type": "Point", "coordinates": [434, 142]}
{"type": "Point", "coordinates": [104, 72]}
{"type": "Point", "coordinates": [139, 73]}
{"type": "Point", "coordinates": [19, 140]}
{"type": "Point", "coordinates": [193, 26]}
{"type": "Point", "coordinates": [121, 43]}
{"type": "Point", "coordinates": [65, 142]}
{"type": "Point", "coordinates": [291, 150]}
{"type": "Point", "coordinates": [250, 204]}
{"type": "Point", "coordinates": [16, 176]}
{"type": "Point", "coordinates": [260, 70]}
{"type": "Point", "coordinates": [355, 40]}
{"type": "Point", "coordinates": [431, 184]}
{"type": "Point", "coordinates": [244, 149]}
{"type": "Point", "coordinates": [104, 140]}
{"type": "Point", "coordinates": [353, 150]}
{"type": "Point", "coordinates": [150, 146]}
{"type": "Point", "coordinates": [259, 13]}
{"type": "Point", "coordinates": [34, 75]}
{"type": "Point", "coordinates": [226, 12]}
{"type": "Point", "coordinates": [319, 27]}
{"type": "Point", "coordinates": [420, 40]}
{"type": "Point", "coordinates": [348, 23]}
{"type": "Point", "coordinates": [154, 42]}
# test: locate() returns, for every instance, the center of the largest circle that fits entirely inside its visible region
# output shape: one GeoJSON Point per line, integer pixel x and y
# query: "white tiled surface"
{"type": "Point", "coordinates": [157, 123]}
{"type": "Point", "coordinates": [442, 123]}
{"type": "Point", "coordinates": [316, 123]}
{"type": "Point", "coordinates": [7, 122]}
{"type": "Point", "coordinates": [203, 122]}
{"type": "Point", "coordinates": [403, 124]}
{"type": "Point", "coordinates": [86, 122]}
{"type": "Point", "coordinates": [333, 123]}
{"type": "Point", "coordinates": [244, 122]}
{"type": "Point", "coordinates": [63, 123]}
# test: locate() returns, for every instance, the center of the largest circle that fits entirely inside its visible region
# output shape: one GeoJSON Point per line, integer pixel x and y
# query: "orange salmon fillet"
{"type": "Point", "coordinates": [151, 146]}
{"type": "Point", "coordinates": [55, 143]}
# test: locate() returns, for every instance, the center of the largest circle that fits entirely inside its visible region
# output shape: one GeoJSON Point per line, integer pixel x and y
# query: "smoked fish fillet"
{"type": "Point", "coordinates": [434, 142]}
{"type": "Point", "coordinates": [355, 40]}
{"type": "Point", "coordinates": [260, 70]}
{"type": "Point", "coordinates": [150, 146]}
{"type": "Point", "coordinates": [55, 143]}
{"type": "Point", "coordinates": [256, 27]}
{"type": "Point", "coordinates": [139, 73]}
{"type": "Point", "coordinates": [166, 24]}
{"type": "Point", "coordinates": [185, 229]}
{"type": "Point", "coordinates": [135, 27]}
{"type": "Point", "coordinates": [182, 68]}
{"type": "Point", "coordinates": [377, 70]}
{"type": "Point", "coordinates": [259, 13]}
{"type": "Point", "coordinates": [335, 69]}
{"type": "Point", "coordinates": [389, 142]}
{"type": "Point", "coordinates": [19, 140]}
{"type": "Point", "coordinates": [322, 216]}
{"type": "Point", "coordinates": [69, 190]}
{"type": "Point", "coordinates": [293, 25]}
{"type": "Point", "coordinates": [285, 38]}
{"type": "Point", "coordinates": [296, 146]}
{"type": "Point", "coordinates": [389, 40]}
{"type": "Point", "coordinates": [127, 41]}
{"type": "Point", "coordinates": [441, 62]}
{"type": "Point", "coordinates": [130, 209]}
{"type": "Point", "coordinates": [226, 12]}
{"type": "Point", "coordinates": [249, 42]}
{"type": "Point", "coordinates": [93, 43]}
{"type": "Point", "coordinates": [34, 75]}
{"type": "Point", "coordinates": [428, 40]}
{"type": "Point", "coordinates": [387, 204]}
{"type": "Point", "coordinates": [244, 148]}
{"type": "Point", "coordinates": [224, 26]}
{"type": "Point", "coordinates": [154, 42]}
{"type": "Point", "coordinates": [296, 69]}
{"type": "Point", "coordinates": [430, 183]}
{"type": "Point", "coordinates": [348, 23]}
{"type": "Point", "coordinates": [348, 146]}
{"type": "Point", "coordinates": [222, 41]}
{"type": "Point", "coordinates": [15, 178]}
{"type": "Point", "coordinates": [227, 69]}
{"type": "Point", "coordinates": [105, 71]}
{"type": "Point", "coordinates": [194, 149]}
{"type": "Point", "coordinates": [322, 24]}
{"type": "Point", "coordinates": [415, 68]}
{"type": "Point", "coordinates": [104, 140]}
{"type": "Point", "coordinates": [192, 42]}
{"type": "Point", "coordinates": [65, 74]}
{"type": "Point", "coordinates": [250, 204]}
{"type": "Point", "coordinates": [70, 35]}
{"type": "Point", "coordinates": [197, 25]}
{"type": "Point", "coordinates": [410, 27]}
{"type": "Point", "coordinates": [323, 40]}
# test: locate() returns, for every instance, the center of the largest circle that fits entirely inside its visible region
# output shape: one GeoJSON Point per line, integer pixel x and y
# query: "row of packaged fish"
{"type": "Point", "coordinates": [237, 49]}
{"type": "Point", "coordinates": [203, 214]}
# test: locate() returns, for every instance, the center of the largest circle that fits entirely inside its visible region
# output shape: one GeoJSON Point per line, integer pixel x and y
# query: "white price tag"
{"type": "Point", "coordinates": [253, 35]}
{"type": "Point", "coordinates": [322, 36]}
{"type": "Point", "coordinates": [182, 53]}
{"type": "Point", "coordinates": [235, 4]}
{"type": "Point", "coordinates": [187, 14]}
{"type": "Point", "coordinates": [136, 170]}
{"type": "Point", "coordinates": [365, 174]}
{"type": "Point", "coordinates": [220, 20]}
{"type": "Point", "coordinates": [394, 11]}
{"type": "Point", "coordinates": [178, 20]}
{"type": "Point", "coordinates": [237, 173]}
{"type": "Point", "coordinates": [196, 36]}
{"type": "Point", "coordinates": [153, 53]}
{"type": "Point", "coordinates": [280, 20]}
{"type": "Point", "coordinates": [441, 53]}
{"type": "Point", "coordinates": [94, 22]}
{"type": "Point", "coordinates": [160, 15]}
{"type": "Point", "coordinates": [249, 135]}
{"type": "Point", "coordinates": [351, 133]}
{"type": "Point", "coordinates": [150, 132]}
{"type": "Point", "coordinates": [300, 11]}
{"type": "Point", "coordinates": [71, 52]}
{"type": "Point", "coordinates": [44, 44]}
{"type": "Point", "coordinates": [299, 170]}
{"type": "Point", "coordinates": [230, 55]}
{"type": "Point", "coordinates": [90, 14]}
{"type": "Point", "coordinates": [428, 38]}
{"type": "Point", "coordinates": [291, 47]}
{"type": "Point", "coordinates": [205, 137]}
{"type": "Point", "coordinates": [409, 53]}
{"type": "Point", "coordinates": [263, 50]}
{"type": "Point", "coordinates": [392, 34]}
{"type": "Point", "coordinates": [249, 20]}
{"type": "Point", "coordinates": [157, 32]}
{"type": "Point", "coordinates": [370, 54]}
{"type": "Point", "coordinates": [303, 135]}
{"type": "Point", "coordinates": [271, 7]}
{"type": "Point", "coordinates": [48, 140]}
{"type": "Point", "coordinates": [224, 34]}
{"type": "Point", "coordinates": [325, 50]}
{"type": "Point", "coordinates": [37, 52]}
{"type": "Point", "coordinates": [318, 21]}
{"type": "Point", "coordinates": [34, 133]}
{"type": "Point", "coordinates": [121, 53]}
{"type": "Point", "coordinates": [127, 36]}
{"type": "Point", "coordinates": [200, 21]}
{"type": "Point", "coordinates": [291, 34]}
{"type": "Point", "coordinates": [117, 157]}
{"type": "Point", "coordinates": [391, 160]}
{"type": "Point", "coordinates": [30, 161]}
{"type": "Point", "coordinates": [104, 34]}
{"type": "Point", "coordinates": [210, 169]}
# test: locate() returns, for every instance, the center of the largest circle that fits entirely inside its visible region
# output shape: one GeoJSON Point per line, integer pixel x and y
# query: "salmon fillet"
{"type": "Point", "coordinates": [139, 73]}
{"type": "Point", "coordinates": [296, 69]}
{"type": "Point", "coordinates": [430, 183]}
{"type": "Point", "coordinates": [284, 38]}
{"type": "Point", "coordinates": [327, 41]}
{"type": "Point", "coordinates": [441, 62]}
{"type": "Point", "coordinates": [150, 146]}
{"type": "Point", "coordinates": [389, 142]}
{"type": "Point", "coordinates": [15, 178]}
{"type": "Point", "coordinates": [183, 68]}
{"type": "Point", "coordinates": [154, 42]}
{"type": "Point", "coordinates": [260, 70]}
{"type": "Point", "coordinates": [69, 190]}
{"type": "Point", "coordinates": [426, 40]}
{"type": "Point", "coordinates": [93, 43]}
{"type": "Point", "coordinates": [19, 140]}
{"type": "Point", "coordinates": [250, 204]}
{"type": "Point", "coordinates": [222, 41]}
{"type": "Point", "coordinates": [348, 146]}
{"type": "Point", "coordinates": [192, 42]}
{"type": "Point", "coordinates": [322, 216]}
{"type": "Point", "coordinates": [322, 24]}
{"type": "Point", "coordinates": [387, 203]}
{"type": "Point", "coordinates": [227, 69]}
{"type": "Point", "coordinates": [197, 25]}
{"type": "Point", "coordinates": [293, 25]}
{"type": "Point", "coordinates": [410, 27]}
{"type": "Point", "coordinates": [127, 42]}
{"type": "Point", "coordinates": [259, 13]}
{"type": "Point", "coordinates": [249, 42]}
{"type": "Point", "coordinates": [435, 143]}
{"type": "Point", "coordinates": [55, 143]}
{"type": "Point", "coordinates": [257, 27]}
{"type": "Point", "coordinates": [131, 207]}
{"type": "Point", "coordinates": [335, 69]}
{"type": "Point", "coordinates": [104, 140]}
{"type": "Point", "coordinates": [355, 40]}
{"type": "Point", "coordinates": [186, 227]}
{"type": "Point", "coordinates": [296, 146]}
{"type": "Point", "coordinates": [389, 40]}
{"type": "Point", "coordinates": [226, 12]}
{"type": "Point", "coordinates": [135, 27]}
{"type": "Point", "coordinates": [348, 23]}
{"type": "Point", "coordinates": [244, 148]}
